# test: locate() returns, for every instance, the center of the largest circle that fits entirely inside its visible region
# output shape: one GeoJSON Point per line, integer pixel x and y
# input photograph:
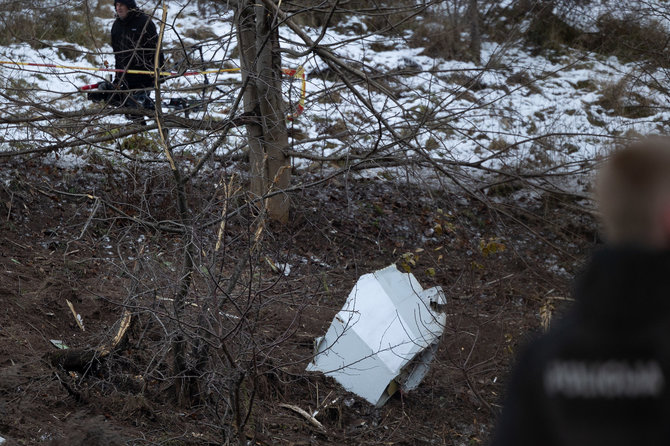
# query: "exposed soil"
{"type": "Point", "coordinates": [500, 271]}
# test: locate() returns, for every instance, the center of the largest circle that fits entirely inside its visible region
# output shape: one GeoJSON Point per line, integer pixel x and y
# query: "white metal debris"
{"type": "Point", "coordinates": [384, 337]}
{"type": "Point", "coordinates": [58, 344]}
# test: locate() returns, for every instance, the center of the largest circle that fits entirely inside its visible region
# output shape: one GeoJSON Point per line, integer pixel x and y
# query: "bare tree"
{"type": "Point", "coordinates": [475, 34]}
{"type": "Point", "coordinates": [258, 39]}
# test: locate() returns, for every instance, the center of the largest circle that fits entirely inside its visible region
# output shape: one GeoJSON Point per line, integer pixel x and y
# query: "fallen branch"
{"type": "Point", "coordinates": [86, 360]}
{"type": "Point", "coordinates": [110, 136]}
{"type": "Point", "coordinates": [76, 315]}
{"type": "Point", "coordinates": [313, 421]}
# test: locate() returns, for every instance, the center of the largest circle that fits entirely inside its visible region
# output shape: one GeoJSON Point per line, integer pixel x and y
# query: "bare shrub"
{"type": "Point", "coordinates": [200, 34]}
{"type": "Point", "coordinates": [439, 40]}
{"type": "Point", "coordinates": [620, 98]}
{"type": "Point", "coordinates": [630, 39]}
{"type": "Point", "coordinates": [36, 23]}
{"type": "Point", "coordinates": [548, 31]}
{"type": "Point", "coordinates": [473, 83]}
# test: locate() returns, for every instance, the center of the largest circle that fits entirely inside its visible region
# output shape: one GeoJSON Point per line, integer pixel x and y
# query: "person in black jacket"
{"type": "Point", "coordinates": [134, 41]}
{"type": "Point", "coordinates": [601, 375]}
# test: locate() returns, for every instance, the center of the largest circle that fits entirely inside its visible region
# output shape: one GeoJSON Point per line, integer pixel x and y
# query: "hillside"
{"type": "Point", "coordinates": [468, 165]}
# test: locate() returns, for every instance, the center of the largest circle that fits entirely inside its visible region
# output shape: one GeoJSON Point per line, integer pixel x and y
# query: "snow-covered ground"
{"type": "Point", "coordinates": [514, 110]}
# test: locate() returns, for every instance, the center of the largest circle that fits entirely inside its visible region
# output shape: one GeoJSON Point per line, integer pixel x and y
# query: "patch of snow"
{"type": "Point", "coordinates": [284, 268]}
{"type": "Point", "coordinates": [482, 109]}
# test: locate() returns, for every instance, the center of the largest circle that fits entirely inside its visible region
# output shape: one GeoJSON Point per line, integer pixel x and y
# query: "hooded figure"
{"type": "Point", "coordinates": [131, 4]}
{"type": "Point", "coordinates": [134, 41]}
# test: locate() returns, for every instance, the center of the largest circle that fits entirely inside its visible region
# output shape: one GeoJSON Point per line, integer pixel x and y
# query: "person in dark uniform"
{"type": "Point", "coordinates": [601, 374]}
{"type": "Point", "coordinates": [134, 41]}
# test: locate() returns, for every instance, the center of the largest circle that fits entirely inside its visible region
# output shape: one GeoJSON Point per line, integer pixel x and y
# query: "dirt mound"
{"type": "Point", "coordinates": [252, 318]}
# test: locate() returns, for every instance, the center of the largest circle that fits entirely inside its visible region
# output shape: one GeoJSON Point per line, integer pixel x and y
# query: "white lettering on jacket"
{"type": "Point", "coordinates": [608, 379]}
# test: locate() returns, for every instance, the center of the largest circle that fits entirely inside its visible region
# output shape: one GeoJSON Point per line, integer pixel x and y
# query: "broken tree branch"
{"type": "Point", "coordinates": [313, 421]}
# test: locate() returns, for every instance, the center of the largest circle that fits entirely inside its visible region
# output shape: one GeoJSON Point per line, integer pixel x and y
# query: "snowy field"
{"type": "Point", "coordinates": [514, 111]}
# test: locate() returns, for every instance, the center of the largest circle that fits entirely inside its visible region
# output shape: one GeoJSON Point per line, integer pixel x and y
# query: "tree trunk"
{"type": "Point", "coordinates": [268, 138]}
{"type": "Point", "coordinates": [475, 34]}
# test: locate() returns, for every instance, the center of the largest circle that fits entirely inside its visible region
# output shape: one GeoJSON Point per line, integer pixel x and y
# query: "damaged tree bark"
{"type": "Point", "coordinates": [86, 360]}
{"type": "Point", "coordinates": [268, 138]}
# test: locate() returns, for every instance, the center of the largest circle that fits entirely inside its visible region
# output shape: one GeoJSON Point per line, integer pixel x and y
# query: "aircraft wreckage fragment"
{"type": "Point", "coordinates": [384, 337]}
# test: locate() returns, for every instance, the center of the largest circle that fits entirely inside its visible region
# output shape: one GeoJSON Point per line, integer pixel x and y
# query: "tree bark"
{"type": "Point", "coordinates": [268, 137]}
{"type": "Point", "coordinates": [475, 34]}
{"type": "Point", "coordinates": [246, 36]}
{"type": "Point", "coordinates": [273, 113]}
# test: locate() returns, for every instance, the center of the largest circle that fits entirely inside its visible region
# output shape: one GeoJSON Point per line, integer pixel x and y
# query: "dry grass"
{"type": "Point", "coordinates": [38, 26]}
{"type": "Point", "coordinates": [620, 98]}
{"type": "Point", "coordinates": [200, 34]}
{"type": "Point", "coordinates": [631, 40]}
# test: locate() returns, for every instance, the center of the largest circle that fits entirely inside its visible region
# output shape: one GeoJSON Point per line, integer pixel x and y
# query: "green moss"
{"type": "Point", "coordinates": [140, 143]}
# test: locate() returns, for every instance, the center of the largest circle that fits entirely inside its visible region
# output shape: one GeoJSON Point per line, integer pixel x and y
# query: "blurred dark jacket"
{"type": "Point", "coordinates": [600, 376]}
